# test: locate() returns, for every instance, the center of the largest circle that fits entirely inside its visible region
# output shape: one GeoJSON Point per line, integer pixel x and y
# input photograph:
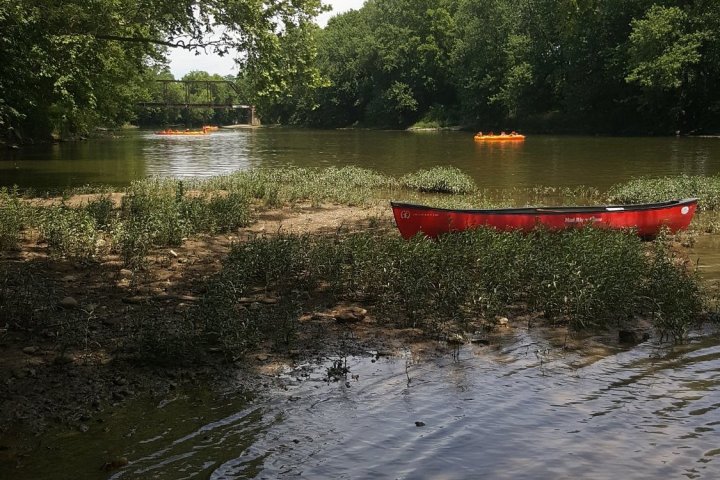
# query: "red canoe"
{"type": "Point", "coordinates": [646, 219]}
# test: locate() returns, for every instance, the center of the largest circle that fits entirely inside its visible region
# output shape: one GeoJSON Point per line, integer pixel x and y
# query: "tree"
{"type": "Point", "coordinates": [488, 61]}
{"type": "Point", "coordinates": [72, 64]}
{"type": "Point", "coordinates": [664, 52]}
{"type": "Point", "coordinates": [282, 80]}
{"type": "Point", "coordinates": [385, 64]}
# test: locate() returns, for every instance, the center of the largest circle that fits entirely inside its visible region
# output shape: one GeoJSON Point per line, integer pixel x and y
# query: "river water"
{"type": "Point", "coordinates": [524, 408]}
{"type": "Point", "coordinates": [540, 160]}
{"type": "Point", "coordinates": [521, 409]}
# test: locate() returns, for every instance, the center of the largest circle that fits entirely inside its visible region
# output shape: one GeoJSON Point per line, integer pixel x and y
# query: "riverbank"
{"type": "Point", "coordinates": [67, 374]}
{"type": "Point", "coordinates": [85, 362]}
{"type": "Point", "coordinates": [47, 380]}
{"type": "Point", "coordinates": [108, 295]}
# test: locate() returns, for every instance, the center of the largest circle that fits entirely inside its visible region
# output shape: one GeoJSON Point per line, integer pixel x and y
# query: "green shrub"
{"type": "Point", "coordinates": [133, 240]}
{"type": "Point", "coordinates": [277, 186]}
{"type": "Point", "coordinates": [163, 338]}
{"type": "Point", "coordinates": [160, 212]}
{"type": "Point", "coordinates": [649, 190]}
{"type": "Point", "coordinates": [69, 232]}
{"type": "Point", "coordinates": [673, 293]}
{"type": "Point", "coordinates": [102, 210]}
{"type": "Point", "coordinates": [156, 204]}
{"type": "Point", "coordinates": [216, 213]}
{"type": "Point", "coordinates": [440, 180]}
{"type": "Point", "coordinates": [28, 297]}
{"type": "Point", "coordinates": [588, 278]}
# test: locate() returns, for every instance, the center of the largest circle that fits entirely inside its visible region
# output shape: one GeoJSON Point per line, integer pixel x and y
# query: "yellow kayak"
{"type": "Point", "coordinates": [183, 132]}
{"type": "Point", "coordinates": [503, 137]}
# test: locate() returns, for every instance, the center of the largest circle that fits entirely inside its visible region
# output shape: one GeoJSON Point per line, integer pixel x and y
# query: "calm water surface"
{"type": "Point", "coordinates": [540, 160]}
{"type": "Point", "coordinates": [522, 410]}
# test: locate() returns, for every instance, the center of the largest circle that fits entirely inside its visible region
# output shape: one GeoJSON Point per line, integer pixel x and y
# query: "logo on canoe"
{"type": "Point", "coordinates": [684, 210]}
{"type": "Point", "coordinates": [405, 214]}
{"type": "Point", "coordinates": [581, 219]}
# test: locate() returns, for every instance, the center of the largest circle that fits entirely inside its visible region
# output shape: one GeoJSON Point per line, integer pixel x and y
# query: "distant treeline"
{"type": "Point", "coordinates": [591, 66]}
{"type": "Point", "coordinates": [605, 66]}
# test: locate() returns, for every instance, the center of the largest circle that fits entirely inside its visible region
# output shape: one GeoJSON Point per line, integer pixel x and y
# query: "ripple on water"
{"type": "Point", "coordinates": [638, 414]}
{"type": "Point", "coordinates": [503, 413]}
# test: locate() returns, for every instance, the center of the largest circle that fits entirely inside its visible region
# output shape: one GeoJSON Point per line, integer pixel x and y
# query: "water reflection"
{"type": "Point", "coordinates": [539, 160]}
{"type": "Point", "coordinates": [197, 156]}
{"type": "Point", "coordinates": [520, 411]}
{"type": "Point", "coordinates": [524, 409]}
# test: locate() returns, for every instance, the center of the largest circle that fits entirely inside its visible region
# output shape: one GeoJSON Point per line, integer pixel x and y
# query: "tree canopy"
{"type": "Point", "coordinates": [612, 66]}
{"type": "Point", "coordinates": [605, 66]}
{"type": "Point", "coordinates": [71, 64]}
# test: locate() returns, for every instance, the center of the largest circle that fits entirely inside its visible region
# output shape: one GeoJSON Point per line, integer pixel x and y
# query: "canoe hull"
{"type": "Point", "coordinates": [647, 219]}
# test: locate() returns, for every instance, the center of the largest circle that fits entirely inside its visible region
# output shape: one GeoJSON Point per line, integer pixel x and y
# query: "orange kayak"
{"type": "Point", "coordinates": [211, 128]}
{"type": "Point", "coordinates": [182, 132]}
{"type": "Point", "coordinates": [512, 137]}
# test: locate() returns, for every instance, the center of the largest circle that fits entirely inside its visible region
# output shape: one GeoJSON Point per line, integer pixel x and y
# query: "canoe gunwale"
{"type": "Point", "coordinates": [561, 210]}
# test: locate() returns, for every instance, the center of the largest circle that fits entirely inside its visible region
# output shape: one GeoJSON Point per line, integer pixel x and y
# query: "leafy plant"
{"type": "Point", "coordinates": [648, 190]}
{"type": "Point", "coordinates": [439, 180]}
{"type": "Point", "coordinates": [69, 232]}
{"type": "Point", "coordinates": [13, 218]}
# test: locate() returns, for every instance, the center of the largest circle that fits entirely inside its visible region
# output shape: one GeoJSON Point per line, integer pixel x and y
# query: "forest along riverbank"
{"type": "Point", "coordinates": [106, 295]}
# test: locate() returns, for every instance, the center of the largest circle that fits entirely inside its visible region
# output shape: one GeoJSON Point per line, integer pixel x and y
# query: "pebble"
{"type": "Point", "coordinates": [31, 350]}
{"type": "Point", "coordinates": [68, 302]}
{"type": "Point", "coordinates": [188, 298]}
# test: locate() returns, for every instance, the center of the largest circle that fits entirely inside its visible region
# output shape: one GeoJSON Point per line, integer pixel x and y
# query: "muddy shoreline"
{"type": "Point", "coordinates": [45, 384]}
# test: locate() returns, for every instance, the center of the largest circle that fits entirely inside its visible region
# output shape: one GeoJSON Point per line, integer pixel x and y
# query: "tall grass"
{"type": "Point", "coordinates": [158, 212]}
{"type": "Point", "coordinates": [13, 218]}
{"type": "Point", "coordinates": [648, 190]}
{"type": "Point", "coordinates": [28, 303]}
{"type": "Point", "coordinates": [161, 212]}
{"type": "Point", "coordinates": [440, 180]}
{"type": "Point", "coordinates": [69, 232]}
{"type": "Point", "coordinates": [288, 185]}
{"type": "Point", "coordinates": [587, 278]}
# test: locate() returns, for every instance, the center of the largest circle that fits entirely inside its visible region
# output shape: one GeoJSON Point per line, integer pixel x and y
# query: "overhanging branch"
{"type": "Point", "coordinates": [190, 45]}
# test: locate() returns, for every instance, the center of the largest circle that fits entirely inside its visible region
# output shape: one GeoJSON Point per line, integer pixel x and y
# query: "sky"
{"type": "Point", "coordinates": [183, 61]}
